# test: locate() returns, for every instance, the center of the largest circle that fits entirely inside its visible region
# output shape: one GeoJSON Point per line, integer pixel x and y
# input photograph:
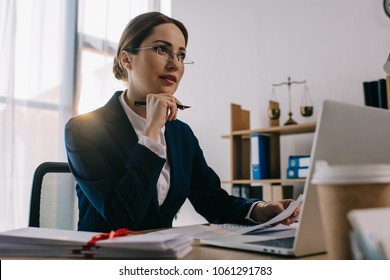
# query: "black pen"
{"type": "Point", "coordinates": [143, 103]}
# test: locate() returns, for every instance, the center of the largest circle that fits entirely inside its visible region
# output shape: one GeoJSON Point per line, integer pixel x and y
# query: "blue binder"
{"type": "Point", "coordinates": [299, 161]}
{"type": "Point", "coordinates": [260, 154]}
{"type": "Point", "coordinates": [297, 173]}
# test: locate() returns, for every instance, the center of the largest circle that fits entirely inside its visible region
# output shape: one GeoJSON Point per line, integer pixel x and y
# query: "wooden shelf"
{"type": "Point", "coordinates": [279, 130]}
{"type": "Point", "coordinates": [239, 138]}
{"type": "Point", "coordinates": [266, 181]}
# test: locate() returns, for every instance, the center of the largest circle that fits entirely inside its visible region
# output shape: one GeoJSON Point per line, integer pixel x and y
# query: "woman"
{"type": "Point", "coordinates": [135, 166]}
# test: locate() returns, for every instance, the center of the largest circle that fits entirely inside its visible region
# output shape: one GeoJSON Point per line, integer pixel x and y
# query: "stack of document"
{"type": "Point", "coordinates": [43, 242]}
{"type": "Point", "coordinates": [370, 236]}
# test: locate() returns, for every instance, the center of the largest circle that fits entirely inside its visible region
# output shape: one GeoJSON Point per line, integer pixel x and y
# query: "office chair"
{"type": "Point", "coordinates": [53, 197]}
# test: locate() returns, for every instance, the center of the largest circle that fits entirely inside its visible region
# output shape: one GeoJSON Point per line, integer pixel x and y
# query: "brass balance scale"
{"type": "Point", "coordinates": [306, 108]}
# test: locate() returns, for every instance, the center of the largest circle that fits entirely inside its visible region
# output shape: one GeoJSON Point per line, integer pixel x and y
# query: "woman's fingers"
{"type": "Point", "coordinates": [161, 106]}
{"type": "Point", "coordinates": [172, 109]}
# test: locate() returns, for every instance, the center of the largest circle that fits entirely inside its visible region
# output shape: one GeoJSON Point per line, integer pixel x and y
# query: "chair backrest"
{"type": "Point", "coordinates": [53, 197]}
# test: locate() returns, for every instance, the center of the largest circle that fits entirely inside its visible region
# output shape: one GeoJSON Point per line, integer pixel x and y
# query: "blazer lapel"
{"type": "Point", "coordinates": [174, 148]}
{"type": "Point", "coordinates": [123, 133]}
{"type": "Point", "coordinates": [118, 124]}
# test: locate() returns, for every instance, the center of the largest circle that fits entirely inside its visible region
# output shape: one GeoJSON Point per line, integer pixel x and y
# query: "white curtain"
{"type": "Point", "coordinates": [36, 92]}
{"type": "Point", "coordinates": [38, 73]}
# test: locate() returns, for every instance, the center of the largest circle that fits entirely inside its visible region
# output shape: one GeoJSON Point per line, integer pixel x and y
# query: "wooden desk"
{"type": "Point", "coordinates": [206, 252]}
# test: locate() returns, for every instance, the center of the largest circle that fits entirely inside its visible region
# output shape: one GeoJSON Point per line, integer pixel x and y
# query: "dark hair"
{"type": "Point", "coordinates": [136, 31]}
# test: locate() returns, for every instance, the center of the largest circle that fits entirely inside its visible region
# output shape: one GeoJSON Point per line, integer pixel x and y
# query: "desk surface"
{"type": "Point", "coordinates": [206, 252]}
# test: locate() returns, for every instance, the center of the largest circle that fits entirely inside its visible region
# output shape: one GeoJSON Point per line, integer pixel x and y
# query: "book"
{"type": "Point", "coordinates": [241, 190]}
{"type": "Point", "coordinates": [388, 91]}
{"type": "Point", "coordinates": [256, 192]}
{"type": "Point", "coordinates": [45, 242]}
{"type": "Point", "coordinates": [299, 161]}
{"type": "Point", "coordinates": [297, 173]}
{"type": "Point", "coordinates": [260, 153]}
{"type": "Point", "coordinates": [370, 99]}
{"type": "Point", "coordinates": [236, 190]}
{"type": "Point", "coordinates": [375, 94]}
{"type": "Point", "coordinates": [382, 94]}
{"type": "Point", "coordinates": [288, 191]}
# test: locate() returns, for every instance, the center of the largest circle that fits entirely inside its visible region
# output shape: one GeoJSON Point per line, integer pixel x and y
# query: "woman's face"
{"type": "Point", "coordinates": [151, 73]}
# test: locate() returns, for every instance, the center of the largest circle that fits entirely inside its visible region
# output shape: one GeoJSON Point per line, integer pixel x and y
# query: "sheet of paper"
{"type": "Point", "coordinates": [219, 230]}
{"type": "Point", "coordinates": [278, 218]}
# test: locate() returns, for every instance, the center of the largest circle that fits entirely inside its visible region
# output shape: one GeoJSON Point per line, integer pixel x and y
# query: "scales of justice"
{"type": "Point", "coordinates": [306, 107]}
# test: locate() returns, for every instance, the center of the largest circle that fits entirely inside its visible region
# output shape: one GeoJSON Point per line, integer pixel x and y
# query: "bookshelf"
{"type": "Point", "coordinates": [239, 137]}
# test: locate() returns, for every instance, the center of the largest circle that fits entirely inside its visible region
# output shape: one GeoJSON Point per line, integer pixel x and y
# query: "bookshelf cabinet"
{"type": "Point", "coordinates": [239, 137]}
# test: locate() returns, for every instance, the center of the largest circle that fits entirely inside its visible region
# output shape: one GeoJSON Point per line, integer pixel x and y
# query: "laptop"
{"type": "Point", "coordinates": [344, 134]}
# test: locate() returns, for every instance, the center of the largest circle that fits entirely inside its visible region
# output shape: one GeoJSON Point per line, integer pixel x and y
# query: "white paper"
{"type": "Point", "coordinates": [278, 218]}
{"type": "Point", "coordinates": [219, 230]}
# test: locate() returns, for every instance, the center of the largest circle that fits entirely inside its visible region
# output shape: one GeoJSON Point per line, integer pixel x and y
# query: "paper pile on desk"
{"type": "Point", "coordinates": [43, 242]}
{"type": "Point", "coordinates": [370, 236]}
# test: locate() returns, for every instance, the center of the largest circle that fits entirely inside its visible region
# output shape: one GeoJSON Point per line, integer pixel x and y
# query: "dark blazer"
{"type": "Point", "coordinates": [116, 177]}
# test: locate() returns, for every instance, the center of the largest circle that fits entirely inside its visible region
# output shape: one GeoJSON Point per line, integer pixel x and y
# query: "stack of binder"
{"type": "Point", "coordinates": [58, 243]}
{"type": "Point", "coordinates": [298, 166]}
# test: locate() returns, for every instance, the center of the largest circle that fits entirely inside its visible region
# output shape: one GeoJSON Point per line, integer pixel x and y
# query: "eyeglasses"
{"type": "Point", "coordinates": [166, 53]}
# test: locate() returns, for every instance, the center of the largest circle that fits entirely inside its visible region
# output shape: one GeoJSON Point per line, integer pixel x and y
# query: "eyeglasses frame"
{"type": "Point", "coordinates": [156, 48]}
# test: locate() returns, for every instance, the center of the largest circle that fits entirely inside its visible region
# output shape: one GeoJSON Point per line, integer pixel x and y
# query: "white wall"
{"type": "Point", "coordinates": [241, 47]}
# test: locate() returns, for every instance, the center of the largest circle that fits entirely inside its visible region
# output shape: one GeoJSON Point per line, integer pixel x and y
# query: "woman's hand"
{"type": "Point", "coordinates": [264, 211]}
{"type": "Point", "coordinates": [159, 109]}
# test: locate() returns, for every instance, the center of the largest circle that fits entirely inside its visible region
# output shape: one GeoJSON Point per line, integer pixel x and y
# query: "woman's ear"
{"type": "Point", "coordinates": [126, 59]}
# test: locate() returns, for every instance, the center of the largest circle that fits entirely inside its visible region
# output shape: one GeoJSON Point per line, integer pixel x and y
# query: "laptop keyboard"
{"type": "Point", "coordinates": [287, 242]}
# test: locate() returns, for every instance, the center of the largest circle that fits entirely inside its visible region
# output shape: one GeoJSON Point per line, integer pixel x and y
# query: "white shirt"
{"type": "Point", "coordinates": [159, 148]}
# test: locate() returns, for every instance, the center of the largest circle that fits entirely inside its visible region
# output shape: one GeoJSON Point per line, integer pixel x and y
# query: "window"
{"type": "Point", "coordinates": [100, 26]}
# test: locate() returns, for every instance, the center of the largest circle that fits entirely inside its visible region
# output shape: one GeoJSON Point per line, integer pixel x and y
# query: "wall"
{"type": "Point", "coordinates": [241, 47]}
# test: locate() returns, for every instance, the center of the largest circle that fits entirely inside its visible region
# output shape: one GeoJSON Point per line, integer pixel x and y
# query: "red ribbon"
{"type": "Point", "coordinates": [112, 234]}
